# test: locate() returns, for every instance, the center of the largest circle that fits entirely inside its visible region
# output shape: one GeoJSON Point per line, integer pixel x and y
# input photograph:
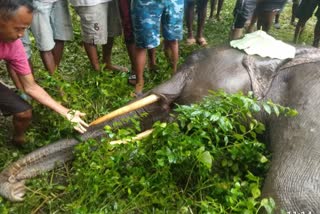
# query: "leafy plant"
{"type": "Point", "coordinates": [210, 160]}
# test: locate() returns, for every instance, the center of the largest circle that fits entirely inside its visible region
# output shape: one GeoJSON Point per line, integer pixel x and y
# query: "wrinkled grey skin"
{"type": "Point", "coordinates": [294, 177]}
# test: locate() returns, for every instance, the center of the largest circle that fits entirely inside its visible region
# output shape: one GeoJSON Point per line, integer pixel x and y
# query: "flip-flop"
{"type": "Point", "coordinates": [202, 41]}
{"type": "Point", "coordinates": [132, 79]}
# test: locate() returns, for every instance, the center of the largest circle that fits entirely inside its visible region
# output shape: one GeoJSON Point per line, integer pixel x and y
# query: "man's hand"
{"type": "Point", "coordinates": [74, 117]}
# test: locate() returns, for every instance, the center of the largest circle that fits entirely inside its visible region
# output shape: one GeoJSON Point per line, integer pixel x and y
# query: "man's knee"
{"type": "Point", "coordinates": [24, 116]}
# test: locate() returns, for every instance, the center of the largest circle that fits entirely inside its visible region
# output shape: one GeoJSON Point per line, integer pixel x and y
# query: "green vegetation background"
{"type": "Point", "coordinates": [97, 93]}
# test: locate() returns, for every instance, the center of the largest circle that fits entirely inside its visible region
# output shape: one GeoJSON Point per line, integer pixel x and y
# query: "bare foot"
{"type": "Point", "coordinates": [154, 68]}
{"type": "Point", "coordinates": [116, 68]}
{"type": "Point", "coordinates": [202, 41]}
{"type": "Point", "coordinates": [191, 41]}
{"type": "Point", "coordinates": [18, 141]}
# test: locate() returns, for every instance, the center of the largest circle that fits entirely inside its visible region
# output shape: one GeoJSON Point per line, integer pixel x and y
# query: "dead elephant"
{"type": "Point", "coordinates": [293, 179]}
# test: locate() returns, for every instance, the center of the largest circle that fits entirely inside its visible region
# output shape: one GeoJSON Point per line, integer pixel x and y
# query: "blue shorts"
{"type": "Point", "coordinates": [149, 15]}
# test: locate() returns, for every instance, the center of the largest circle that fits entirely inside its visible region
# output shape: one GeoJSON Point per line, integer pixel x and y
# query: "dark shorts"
{"type": "Point", "coordinates": [10, 102]}
{"type": "Point", "coordinates": [243, 11]}
{"type": "Point", "coordinates": [270, 6]}
{"type": "Point", "coordinates": [306, 9]}
{"type": "Point", "coordinates": [126, 21]}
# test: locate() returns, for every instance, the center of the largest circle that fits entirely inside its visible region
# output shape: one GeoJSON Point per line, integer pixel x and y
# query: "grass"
{"type": "Point", "coordinates": [96, 94]}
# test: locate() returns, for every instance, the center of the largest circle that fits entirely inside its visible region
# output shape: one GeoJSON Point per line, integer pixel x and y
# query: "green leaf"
{"type": "Point", "coordinates": [276, 110]}
{"type": "Point", "coordinates": [267, 108]}
{"type": "Point", "coordinates": [243, 129]}
{"type": "Point", "coordinates": [263, 159]}
{"type": "Point", "coordinates": [255, 191]}
{"type": "Point", "coordinates": [206, 159]}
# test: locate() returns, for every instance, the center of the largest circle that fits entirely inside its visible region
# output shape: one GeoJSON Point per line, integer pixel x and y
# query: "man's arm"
{"type": "Point", "coordinates": [39, 94]}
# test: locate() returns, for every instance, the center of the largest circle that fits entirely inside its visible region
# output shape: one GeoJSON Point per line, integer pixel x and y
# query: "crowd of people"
{"type": "Point", "coordinates": [141, 22]}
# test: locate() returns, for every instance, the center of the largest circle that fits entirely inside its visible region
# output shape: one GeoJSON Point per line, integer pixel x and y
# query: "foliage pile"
{"type": "Point", "coordinates": [209, 160]}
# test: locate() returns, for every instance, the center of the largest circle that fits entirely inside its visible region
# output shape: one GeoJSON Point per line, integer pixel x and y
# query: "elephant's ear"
{"type": "Point", "coordinates": [261, 72]}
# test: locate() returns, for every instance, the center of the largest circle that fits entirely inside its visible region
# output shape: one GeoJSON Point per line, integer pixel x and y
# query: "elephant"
{"type": "Point", "coordinates": [293, 179]}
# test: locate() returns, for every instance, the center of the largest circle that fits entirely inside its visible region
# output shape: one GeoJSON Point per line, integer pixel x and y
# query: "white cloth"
{"type": "Point", "coordinates": [264, 45]}
{"type": "Point", "coordinates": [77, 3]}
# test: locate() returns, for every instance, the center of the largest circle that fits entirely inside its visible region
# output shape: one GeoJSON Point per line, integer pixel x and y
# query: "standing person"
{"type": "Point", "coordinates": [51, 27]}
{"type": "Point", "coordinates": [295, 5]}
{"type": "Point", "coordinates": [265, 13]}
{"type": "Point", "coordinates": [304, 13]}
{"type": "Point", "coordinates": [125, 14]}
{"type": "Point", "coordinates": [15, 18]}
{"type": "Point", "coordinates": [242, 12]}
{"type": "Point", "coordinates": [189, 13]}
{"type": "Point", "coordinates": [148, 16]}
{"type": "Point", "coordinates": [213, 6]}
{"type": "Point", "coordinates": [100, 23]}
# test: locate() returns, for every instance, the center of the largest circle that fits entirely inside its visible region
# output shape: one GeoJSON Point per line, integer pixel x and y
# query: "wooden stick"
{"type": "Point", "coordinates": [138, 137]}
{"type": "Point", "coordinates": [128, 108]}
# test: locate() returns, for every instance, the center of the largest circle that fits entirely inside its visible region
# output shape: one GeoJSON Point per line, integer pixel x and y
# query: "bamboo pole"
{"type": "Point", "coordinates": [128, 108]}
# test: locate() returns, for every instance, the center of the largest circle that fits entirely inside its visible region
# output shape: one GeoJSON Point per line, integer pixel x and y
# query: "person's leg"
{"type": "Point", "coordinates": [253, 22]}
{"type": "Point", "coordinates": [63, 30]}
{"type": "Point", "coordinates": [21, 121]}
{"type": "Point", "coordinates": [265, 20]}
{"type": "Point", "coordinates": [12, 104]}
{"type": "Point", "coordinates": [125, 15]}
{"type": "Point", "coordinates": [114, 29]}
{"type": "Point", "coordinates": [295, 5]}
{"type": "Point", "coordinates": [212, 7]}
{"type": "Point", "coordinates": [152, 59]}
{"type": "Point", "coordinates": [172, 30]}
{"type": "Point", "coordinates": [43, 33]}
{"type": "Point", "coordinates": [316, 37]}
{"type": "Point", "coordinates": [172, 51]}
{"type": "Point", "coordinates": [202, 12]}
{"type": "Point", "coordinates": [140, 61]}
{"type": "Point", "coordinates": [48, 61]}
{"type": "Point", "coordinates": [92, 53]}
{"type": "Point", "coordinates": [299, 29]}
{"type": "Point", "coordinates": [219, 8]}
{"type": "Point", "coordinates": [57, 52]}
{"type": "Point", "coordinates": [106, 55]}
{"type": "Point", "coordinates": [276, 21]}
{"type": "Point", "coordinates": [189, 14]}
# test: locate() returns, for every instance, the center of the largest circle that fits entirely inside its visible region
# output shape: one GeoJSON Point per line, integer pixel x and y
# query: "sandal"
{"type": "Point", "coordinates": [190, 41]}
{"type": "Point", "coordinates": [132, 79]}
{"type": "Point", "coordinates": [202, 41]}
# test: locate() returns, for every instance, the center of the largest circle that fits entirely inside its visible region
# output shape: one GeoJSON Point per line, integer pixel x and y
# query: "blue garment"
{"type": "Point", "coordinates": [149, 15]}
